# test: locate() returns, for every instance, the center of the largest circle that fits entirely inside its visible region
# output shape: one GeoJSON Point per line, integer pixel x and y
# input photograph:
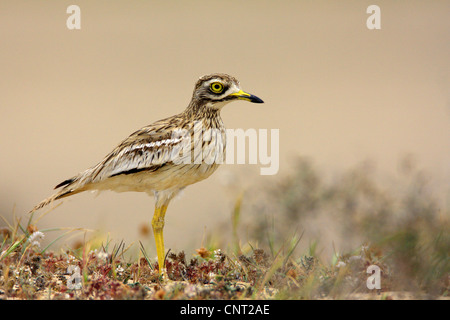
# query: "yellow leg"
{"type": "Point", "coordinates": [158, 226]}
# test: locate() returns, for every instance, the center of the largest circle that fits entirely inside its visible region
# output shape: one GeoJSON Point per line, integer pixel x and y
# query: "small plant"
{"type": "Point", "coordinates": [404, 236]}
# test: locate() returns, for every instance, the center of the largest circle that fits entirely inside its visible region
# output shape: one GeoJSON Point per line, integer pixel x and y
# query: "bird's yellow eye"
{"type": "Point", "coordinates": [216, 87]}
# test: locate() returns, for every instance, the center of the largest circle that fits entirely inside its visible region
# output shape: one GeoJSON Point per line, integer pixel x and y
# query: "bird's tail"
{"type": "Point", "coordinates": [68, 187]}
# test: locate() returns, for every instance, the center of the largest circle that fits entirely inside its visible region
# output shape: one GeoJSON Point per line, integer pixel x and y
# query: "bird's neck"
{"type": "Point", "coordinates": [198, 111]}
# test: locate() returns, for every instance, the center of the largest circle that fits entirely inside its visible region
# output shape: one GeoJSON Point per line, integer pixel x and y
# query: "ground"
{"type": "Point", "coordinates": [103, 273]}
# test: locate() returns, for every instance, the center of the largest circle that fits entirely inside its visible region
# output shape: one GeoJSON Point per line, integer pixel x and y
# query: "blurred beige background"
{"type": "Point", "coordinates": [338, 92]}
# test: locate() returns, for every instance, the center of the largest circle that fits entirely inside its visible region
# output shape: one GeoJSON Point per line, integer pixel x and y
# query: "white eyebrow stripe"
{"type": "Point", "coordinates": [232, 89]}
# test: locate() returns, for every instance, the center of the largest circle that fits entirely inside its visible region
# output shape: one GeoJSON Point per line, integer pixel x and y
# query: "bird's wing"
{"type": "Point", "coordinates": [145, 150]}
{"type": "Point", "coordinates": [148, 149]}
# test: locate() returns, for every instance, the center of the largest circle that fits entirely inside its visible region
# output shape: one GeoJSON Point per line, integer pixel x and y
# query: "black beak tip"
{"type": "Point", "coordinates": [255, 99]}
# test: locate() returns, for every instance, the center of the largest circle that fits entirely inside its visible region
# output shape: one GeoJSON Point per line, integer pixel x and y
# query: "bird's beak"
{"type": "Point", "coordinates": [246, 96]}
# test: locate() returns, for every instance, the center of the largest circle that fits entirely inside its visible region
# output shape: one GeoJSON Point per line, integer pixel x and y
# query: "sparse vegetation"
{"type": "Point", "coordinates": [405, 234]}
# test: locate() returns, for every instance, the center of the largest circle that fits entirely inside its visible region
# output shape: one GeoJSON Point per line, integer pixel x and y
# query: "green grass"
{"type": "Point", "coordinates": [29, 273]}
{"type": "Point", "coordinates": [405, 234]}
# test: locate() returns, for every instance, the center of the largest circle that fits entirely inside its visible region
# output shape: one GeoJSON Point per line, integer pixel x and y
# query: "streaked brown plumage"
{"type": "Point", "coordinates": [155, 160]}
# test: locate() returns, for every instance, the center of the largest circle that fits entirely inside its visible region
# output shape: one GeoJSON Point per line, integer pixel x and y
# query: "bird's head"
{"type": "Point", "coordinates": [216, 90]}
